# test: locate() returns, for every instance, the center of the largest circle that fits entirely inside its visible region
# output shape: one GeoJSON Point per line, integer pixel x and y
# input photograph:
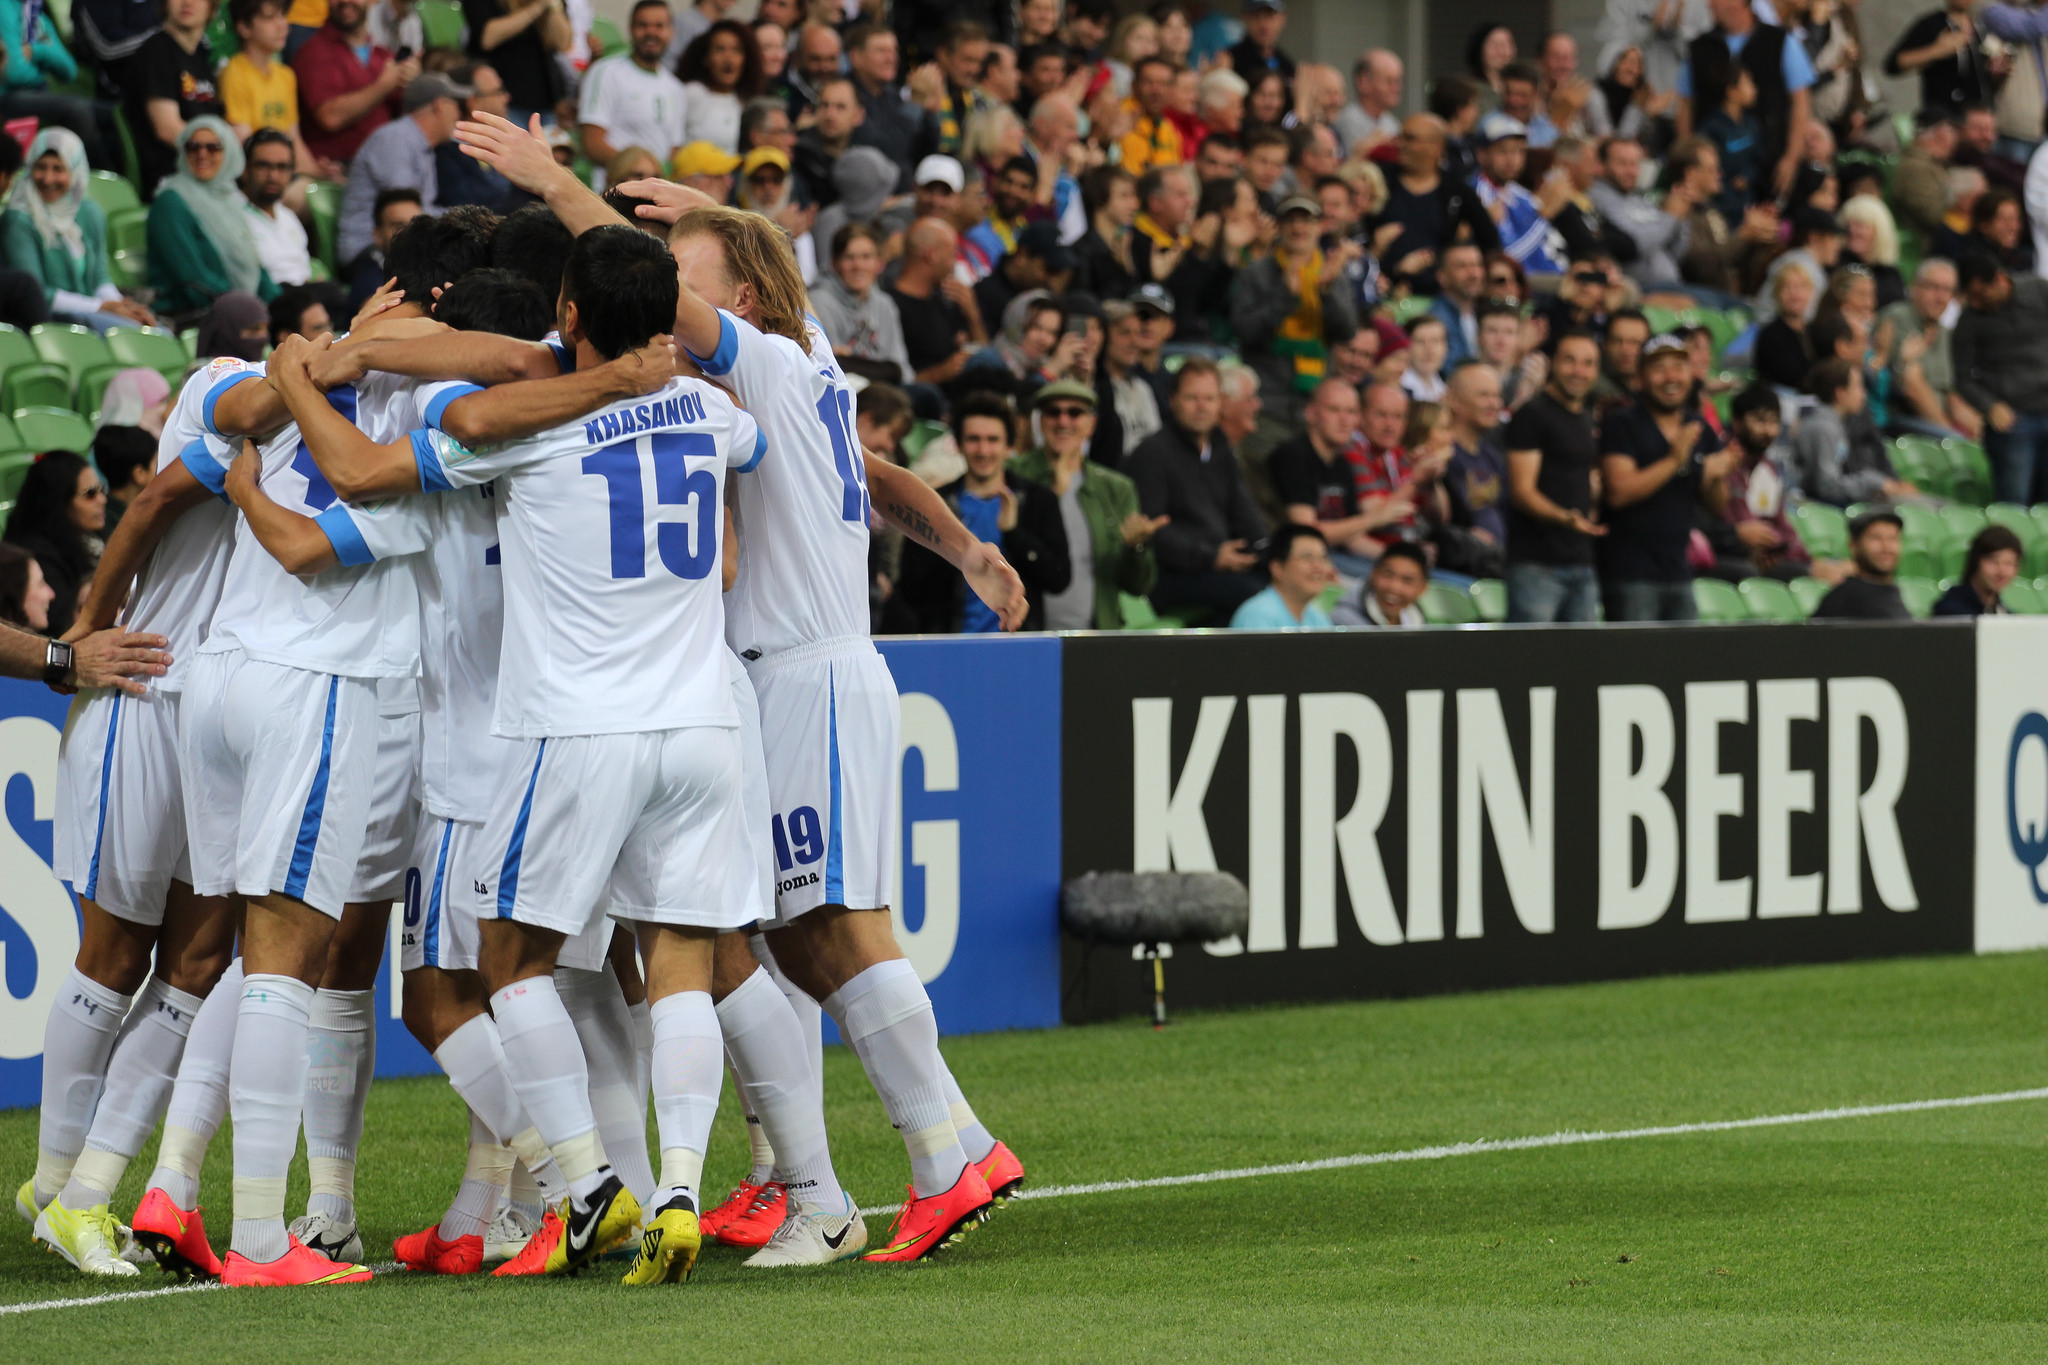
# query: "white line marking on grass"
{"type": "Point", "coordinates": [1481, 1147]}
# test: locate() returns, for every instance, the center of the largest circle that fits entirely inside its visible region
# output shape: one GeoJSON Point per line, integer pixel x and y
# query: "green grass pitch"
{"type": "Point", "coordinates": [1908, 1237]}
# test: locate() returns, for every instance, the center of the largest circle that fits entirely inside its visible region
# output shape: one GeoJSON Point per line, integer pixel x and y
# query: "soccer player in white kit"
{"type": "Point", "coordinates": [828, 704]}
{"type": "Point", "coordinates": [120, 843]}
{"type": "Point", "coordinates": [465, 765]}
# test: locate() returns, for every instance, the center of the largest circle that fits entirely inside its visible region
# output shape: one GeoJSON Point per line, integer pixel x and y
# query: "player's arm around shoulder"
{"type": "Point", "coordinates": [293, 539]}
{"type": "Point", "coordinates": [482, 417]}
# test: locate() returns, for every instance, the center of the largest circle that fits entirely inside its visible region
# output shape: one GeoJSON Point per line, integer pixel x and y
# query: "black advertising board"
{"type": "Point", "coordinates": [1425, 811]}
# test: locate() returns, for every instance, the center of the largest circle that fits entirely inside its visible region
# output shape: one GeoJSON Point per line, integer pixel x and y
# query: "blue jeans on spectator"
{"type": "Point", "coordinates": [2019, 458]}
{"type": "Point", "coordinates": [1904, 423]}
{"type": "Point", "coordinates": [1646, 601]}
{"type": "Point", "coordinates": [99, 322]}
{"type": "Point", "coordinates": [1539, 594]}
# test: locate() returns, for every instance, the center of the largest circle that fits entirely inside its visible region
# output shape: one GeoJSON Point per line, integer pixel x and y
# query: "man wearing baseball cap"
{"type": "Point", "coordinates": [400, 155]}
{"type": "Point", "coordinates": [1658, 461]}
{"type": "Point", "coordinates": [1290, 306]}
{"type": "Point", "coordinates": [1525, 231]}
{"type": "Point", "coordinates": [1869, 594]}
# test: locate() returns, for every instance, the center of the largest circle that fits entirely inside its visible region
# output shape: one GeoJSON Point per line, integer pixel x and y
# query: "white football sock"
{"type": "Point", "coordinates": [888, 1018]}
{"type": "Point", "coordinates": [475, 1062]}
{"type": "Point", "coordinates": [687, 1073]}
{"type": "Point", "coordinates": [758, 1147]}
{"type": "Point", "coordinates": [341, 1056]}
{"type": "Point", "coordinates": [77, 1041]}
{"type": "Point", "coordinates": [545, 1063]}
{"type": "Point", "coordinates": [524, 1193]}
{"type": "Point", "coordinates": [642, 1015]}
{"type": "Point", "coordinates": [266, 1085]}
{"type": "Point", "coordinates": [484, 1178]}
{"type": "Point", "coordinates": [139, 1077]}
{"type": "Point", "coordinates": [605, 1026]}
{"type": "Point", "coordinates": [199, 1100]}
{"type": "Point", "coordinates": [810, 1017]}
{"type": "Point", "coordinates": [975, 1140]}
{"type": "Point", "coordinates": [767, 1049]}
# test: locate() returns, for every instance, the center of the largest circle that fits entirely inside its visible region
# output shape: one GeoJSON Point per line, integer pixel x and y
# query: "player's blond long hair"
{"type": "Point", "coordinates": [758, 254]}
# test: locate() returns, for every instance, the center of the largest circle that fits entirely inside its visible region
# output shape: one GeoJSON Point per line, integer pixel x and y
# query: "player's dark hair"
{"type": "Point", "coordinates": [982, 403]}
{"type": "Point", "coordinates": [120, 451]}
{"type": "Point", "coordinates": [626, 206]}
{"type": "Point", "coordinates": [1280, 544]}
{"type": "Point", "coordinates": [432, 251]}
{"type": "Point", "coordinates": [494, 300]}
{"type": "Point", "coordinates": [289, 307]}
{"type": "Point", "coordinates": [532, 243]}
{"type": "Point", "coordinates": [623, 283]}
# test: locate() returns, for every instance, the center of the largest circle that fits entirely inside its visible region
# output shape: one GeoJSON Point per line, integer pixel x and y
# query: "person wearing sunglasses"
{"type": "Point", "coordinates": [1109, 541]}
{"type": "Point", "coordinates": [200, 245]}
{"type": "Point", "coordinates": [59, 517]}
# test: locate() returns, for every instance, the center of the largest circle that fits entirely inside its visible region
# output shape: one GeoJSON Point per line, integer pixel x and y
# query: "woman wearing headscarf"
{"type": "Point", "coordinates": [52, 231]}
{"type": "Point", "coordinates": [200, 246]}
{"type": "Point", "coordinates": [1034, 349]}
{"type": "Point", "coordinates": [237, 324]}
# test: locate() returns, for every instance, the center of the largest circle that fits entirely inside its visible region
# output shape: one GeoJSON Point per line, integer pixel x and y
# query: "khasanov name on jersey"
{"type": "Point", "coordinates": [677, 411]}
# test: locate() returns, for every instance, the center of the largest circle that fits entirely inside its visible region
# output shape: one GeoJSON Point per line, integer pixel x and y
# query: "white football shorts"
{"type": "Point", "coordinates": [451, 863]}
{"type": "Point", "coordinates": [829, 733]}
{"type": "Point", "coordinates": [645, 826]}
{"type": "Point", "coordinates": [119, 835]}
{"type": "Point", "coordinates": [758, 868]}
{"type": "Point", "coordinates": [279, 765]}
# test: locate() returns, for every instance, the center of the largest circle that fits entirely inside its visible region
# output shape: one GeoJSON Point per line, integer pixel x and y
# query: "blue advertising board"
{"type": "Point", "coordinates": [978, 867]}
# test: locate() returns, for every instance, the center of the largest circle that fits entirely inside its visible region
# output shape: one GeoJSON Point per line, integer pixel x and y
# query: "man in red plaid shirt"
{"type": "Point", "coordinates": [1385, 469]}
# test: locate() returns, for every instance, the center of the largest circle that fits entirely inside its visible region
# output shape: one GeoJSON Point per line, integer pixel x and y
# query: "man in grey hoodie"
{"type": "Point", "coordinates": [1838, 456]}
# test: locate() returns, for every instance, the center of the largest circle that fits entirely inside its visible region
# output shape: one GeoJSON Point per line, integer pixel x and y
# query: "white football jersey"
{"type": "Point", "coordinates": [802, 516]}
{"type": "Point", "coordinates": [462, 626]}
{"type": "Point", "coordinates": [611, 535]}
{"type": "Point", "coordinates": [179, 585]}
{"type": "Point", "coordinates": [359, 619]}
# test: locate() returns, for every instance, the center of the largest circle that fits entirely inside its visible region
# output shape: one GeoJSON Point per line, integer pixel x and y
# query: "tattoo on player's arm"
{"type": "Point", "coordinates": [915, 524]}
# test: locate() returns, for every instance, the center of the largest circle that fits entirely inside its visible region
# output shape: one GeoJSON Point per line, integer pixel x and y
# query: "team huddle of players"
{"type": "Point", "coordinates": [497, 609]}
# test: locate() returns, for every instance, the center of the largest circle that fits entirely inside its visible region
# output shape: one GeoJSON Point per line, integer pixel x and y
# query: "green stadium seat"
{"type": "Point", "coordinates": [190, 336]}
{"type": "Point", "coordinates": [111, 193]}
{"type": "Point", "coordinates": [150, 348]}
{"type": "Point", "coordinates": [1444, 605]}
{"type": "Point", "coordinates": [77, 349]}
{"type": "Point", "coordinates": [1719, 601]}
{"type": "Point", "coordinates": [2022, 598]}
{"type": "Point", "coordinates": [1971, 481]}
{"type": "Point", "coordinates": [323, 205]}
{"type": "Point", "coordinates": [14, 467]}
{"type": "Point", "coordinates": [317, 271]}
{"type": "Point", "coordinates": [1660, 319]}
{"type": "Point", "coordinates": [1921, 526]}
{"type": "Point", "coordinates": [44, 429]}
{"type": "Point", "coordinates": [1920, 594]}
{"type": "Point", "coordinates": [1490, 597]}
{"type": "Point", "coordinates": [2017, 517]}
{"type": "Point", "coordinates": [1921, 461]}
{"type": "Point", "coordinates": [127, 229]}
{"type": "Point", "coordinates": [1770, 600]}
{"type": "Point", "coordinates": [607, 32]}
{"type": "Point", "coordinates": [441, 23]}
{"type": "Point", "coordinates": [1824, 528]}
{"type": "Point", "coordinates": [920, 435]}
{"type": "Point", "coordinates": [1918, 561]}
{"type": "Point", "coordinates": [1724, 325]}
{"type": "Point", "coordinates": [39, 385]}
{"type": "Point", "coordinates": [129, 270]}
{"type": "Point", "coordinates": [1808, 592]}
{"type": "Point", "coordinates": [16, 348]}
{"type": "Point", "coordinates": [1964, 523]}
{"type": "Point", "coordinates": [92, 395]}
{"type": "Point", "coordinates": [1408, 309]}
{"type": "Point", "coordinates": [131, 164]}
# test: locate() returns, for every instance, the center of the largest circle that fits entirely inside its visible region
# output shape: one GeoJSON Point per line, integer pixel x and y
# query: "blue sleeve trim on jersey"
{"type": "Point", "coordinates": [721, 360]}
{"type": "Point", "coordinates": [564, 357]}
{"type": "Point", "coordinates": [433, 478]}
{"type": "Point", "coordinates": [340, 530]}
{"type": "Point", "coordinates": [760, 449]}
{"type": "Point", "coordinates": [213, 396]}
{"type": "Point", "coordinates": [439, 405]}
{"type": "Point", "coordinates": [212, 475]}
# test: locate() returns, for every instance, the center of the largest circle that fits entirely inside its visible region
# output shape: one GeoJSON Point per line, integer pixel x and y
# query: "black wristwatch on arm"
{"type": "Point", "coordinates": [57, 663]}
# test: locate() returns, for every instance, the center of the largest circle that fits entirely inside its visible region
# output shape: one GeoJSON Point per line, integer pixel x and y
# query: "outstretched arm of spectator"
{"type": "Point", "coordinates": [106, 658]}
{"type": "Point", "coordinates": [908, 504]}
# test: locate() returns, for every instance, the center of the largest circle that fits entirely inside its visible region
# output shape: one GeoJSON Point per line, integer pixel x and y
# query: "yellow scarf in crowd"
{"type": "Point", "coordinates": [1301, 336]}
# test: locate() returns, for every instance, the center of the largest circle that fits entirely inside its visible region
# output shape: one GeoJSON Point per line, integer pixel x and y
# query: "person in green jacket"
{"type": "Point", "coordinates": [1109, 539]}
{"type": "Point", "coordinates": [200, 246]}
{"type": "Point", "coordinates": [53, 232]}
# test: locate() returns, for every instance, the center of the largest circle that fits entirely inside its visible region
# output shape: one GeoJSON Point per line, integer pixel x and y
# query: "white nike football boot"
{"type": "Point", "coordinates": [331, 1237]}
{"type": "Point", "coordinates": [814, 1237]}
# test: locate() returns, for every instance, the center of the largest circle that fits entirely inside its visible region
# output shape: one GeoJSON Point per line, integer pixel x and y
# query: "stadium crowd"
{"type": "Point", "coordinates": [1196, 332]}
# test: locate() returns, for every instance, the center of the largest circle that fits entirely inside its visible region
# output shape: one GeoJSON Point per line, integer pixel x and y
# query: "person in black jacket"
{"type": "Point", "coordinates": [1209, 548]}
{"type": "Point", "coordinates": [59, 519]}
{"type": "Point", "coordinates": [1990, 567]}
{"type": "Point", "coordinates": [1427, 209]}
{"type": "Point", "coordinates": [1017, 515]}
